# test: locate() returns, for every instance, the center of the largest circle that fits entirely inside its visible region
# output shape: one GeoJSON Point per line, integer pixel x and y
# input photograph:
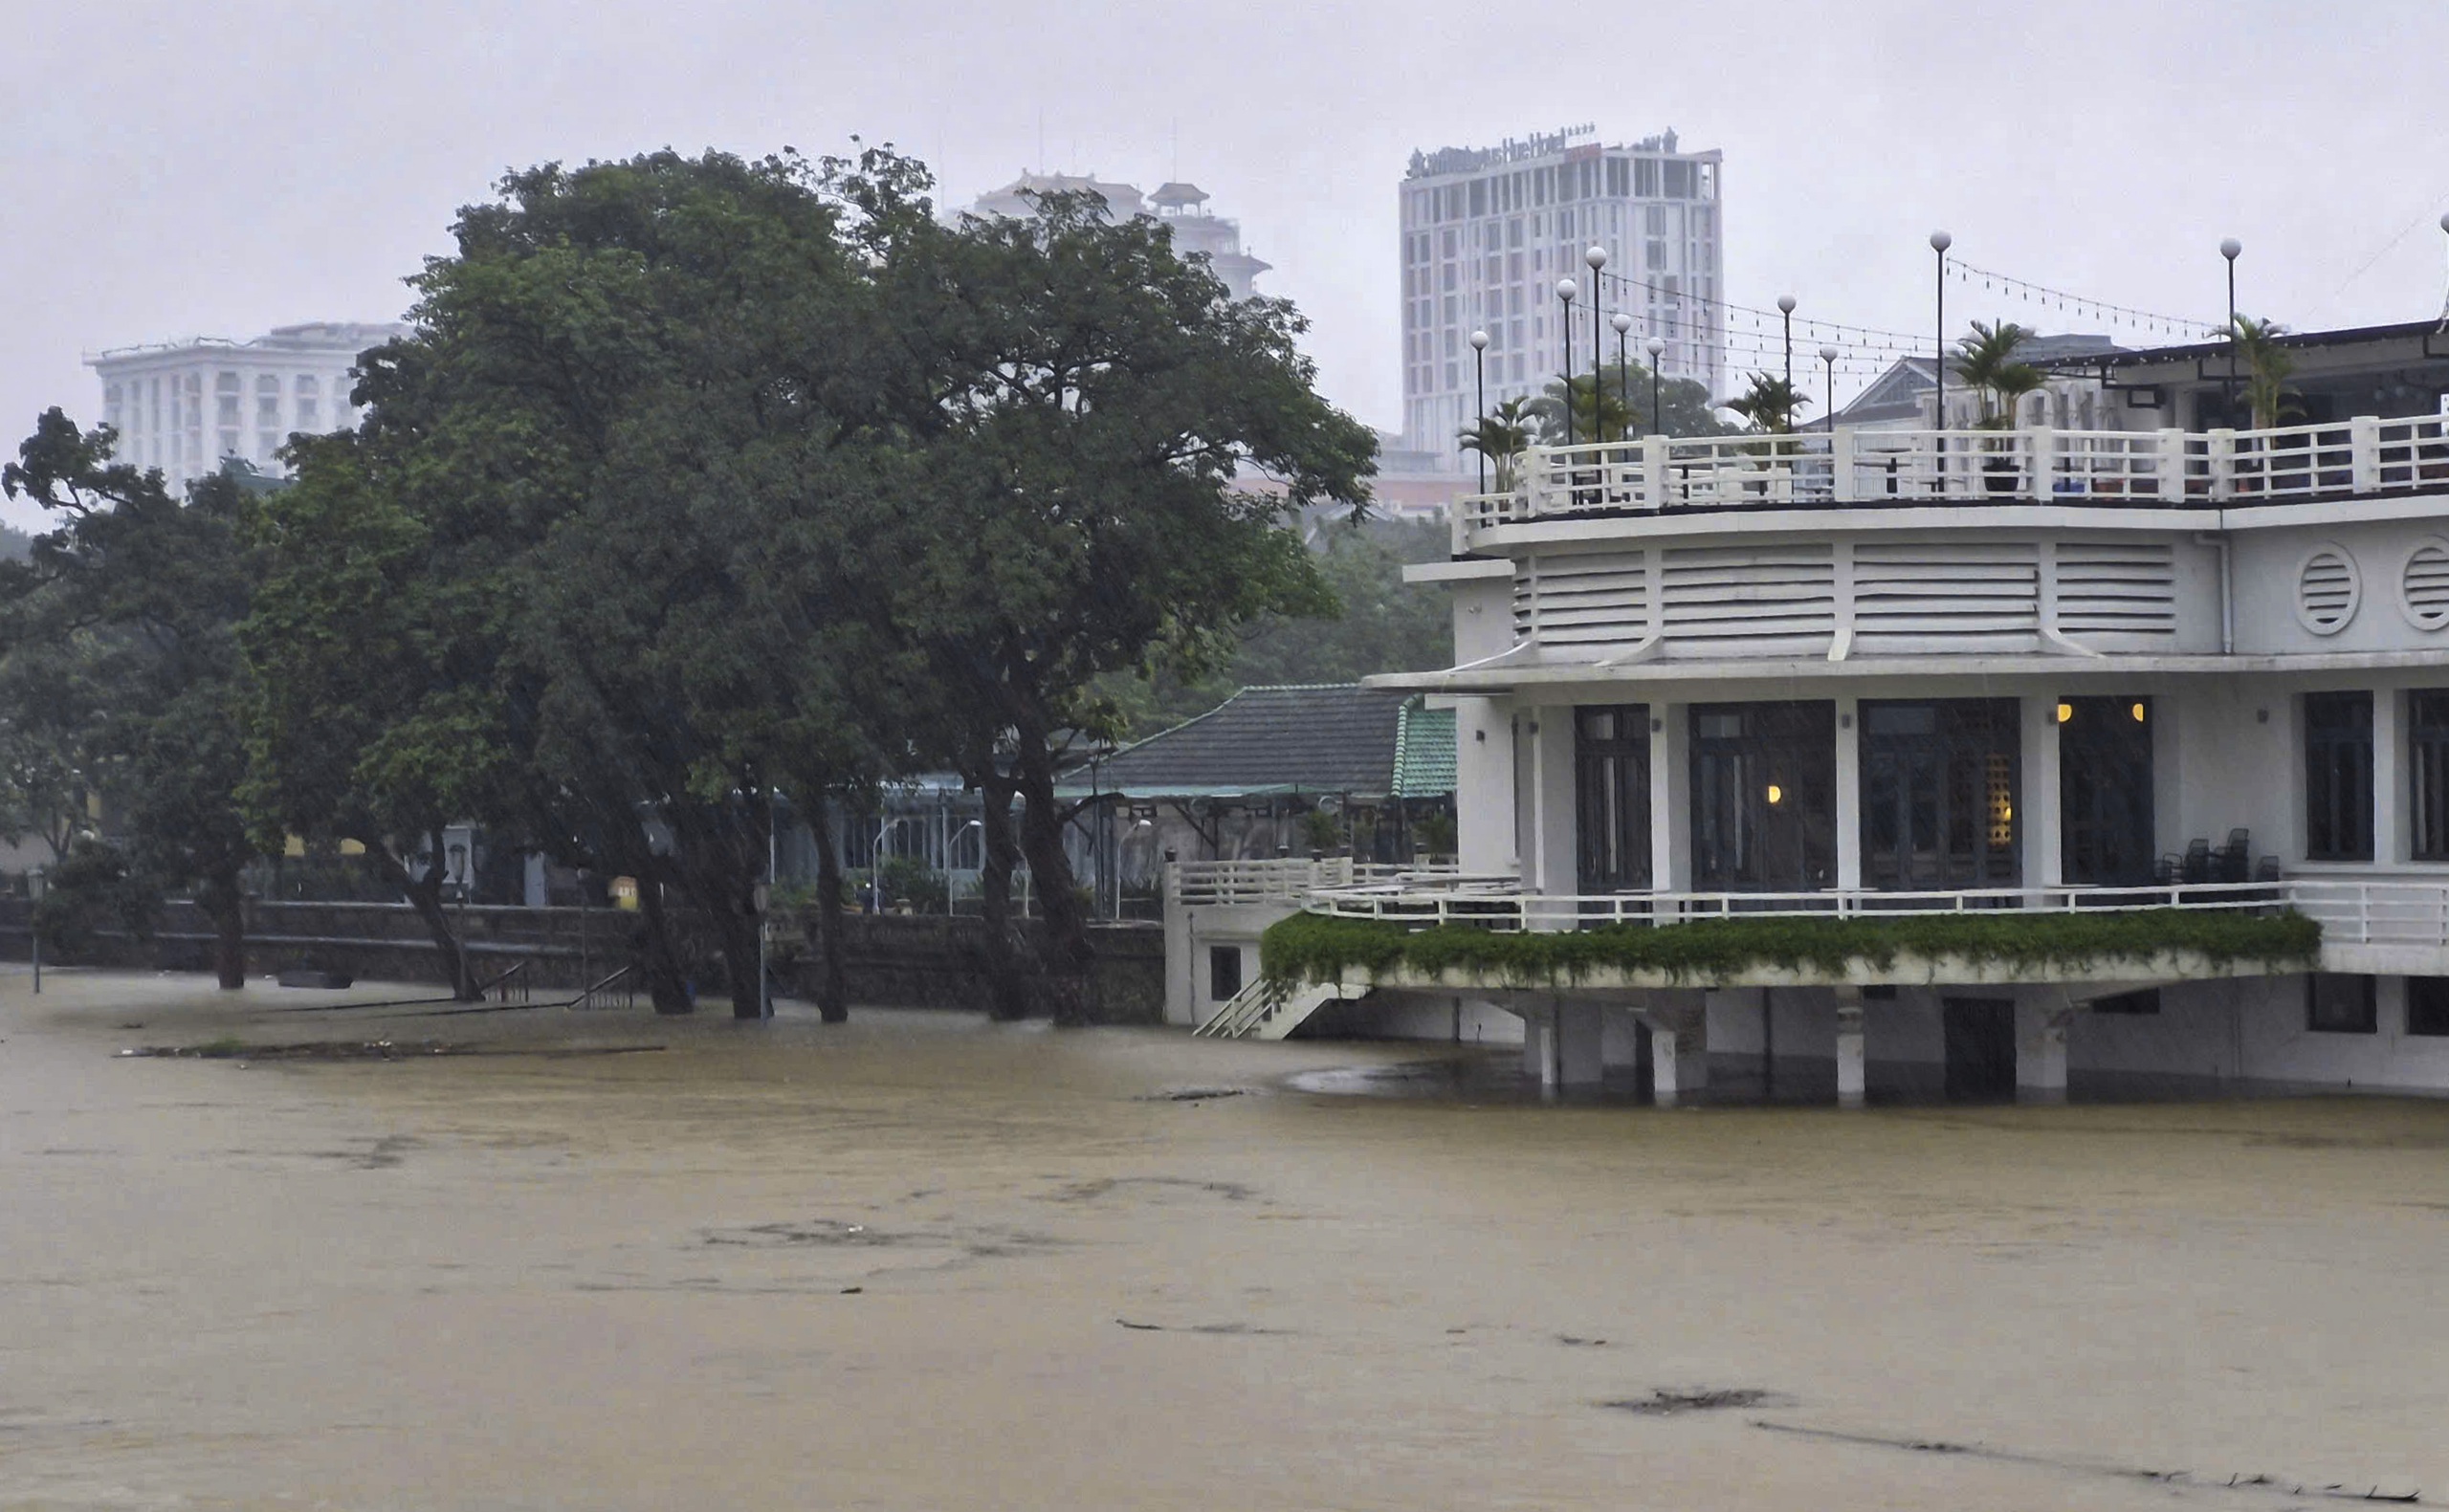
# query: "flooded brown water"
{"type": "Point", "coordinates": [926, 1262]}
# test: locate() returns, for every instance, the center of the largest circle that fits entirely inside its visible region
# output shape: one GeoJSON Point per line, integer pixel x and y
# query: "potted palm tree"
{"type": "Point", "coordinates": [1502, 436]}
{"type": "Point", "coordinates": [1986, 360]}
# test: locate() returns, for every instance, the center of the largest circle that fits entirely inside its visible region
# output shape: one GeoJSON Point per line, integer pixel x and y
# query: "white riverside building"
{"type": "Point", "coordinates": [1909, 671]}
{"type": "Point", "coordinates": [186, 407]}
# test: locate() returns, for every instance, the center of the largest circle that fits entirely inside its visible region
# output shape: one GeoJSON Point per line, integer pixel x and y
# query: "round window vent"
{"type": "Point", "coordinates": [2327, 590]}
{"type": "Point", "coordinates": [2424, 589]}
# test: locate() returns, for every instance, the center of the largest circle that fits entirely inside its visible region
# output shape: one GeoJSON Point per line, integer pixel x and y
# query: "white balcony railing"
{"type": "Point", "coordinates": [2166, 469]}
{"type": "Point", "coordinates": [2391, 911]}
{"type": "Point", "coordinates": [1492, 903]}
{"type": "Point", "coordinates": [1288, 880]}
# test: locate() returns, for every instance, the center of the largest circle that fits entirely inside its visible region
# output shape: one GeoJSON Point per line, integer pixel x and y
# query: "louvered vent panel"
{"type": "Point", "coordinates": [2117, 587]}
{"type": "Point", "coordinates": [2426, 587]}
{"type": "Point", "coordinates": [1749, 601]}
{"type": "Point", "coordinates": [1581, 599]}
{"type": "Point", "coordinates": [1943, 596]}
{"type": "Point", "coordinates": [2327, 591]}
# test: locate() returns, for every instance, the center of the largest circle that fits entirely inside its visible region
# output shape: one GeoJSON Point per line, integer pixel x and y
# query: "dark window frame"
{"type": "Point", "coordinates": [2107, 780]}
{"type": "Point", "coordinates": [1936, 767]}
{"type": "Point", "coordinates": [1741, 842]}
{"type": "Point", "coordinates": [1611, 748]}
{"type": "Point", "coordinates": [2142, 1002]}
{"type": "Point", "coordinates": [2361, 1017]}
{"type": "Point", "coordinates": [2428, 774]}
{"type": "Point", "coordinates": [2427, 1007]}
{"type": "Point", "coordinates": [1224, 983]}
{"type": "Point", "coordinates": [2338, 776]}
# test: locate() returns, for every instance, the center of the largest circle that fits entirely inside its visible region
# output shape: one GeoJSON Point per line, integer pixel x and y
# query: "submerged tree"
{"type": "Point", "coordinates": [1077, 511]}
{"type": "Point", "coordinates": [133, 600]}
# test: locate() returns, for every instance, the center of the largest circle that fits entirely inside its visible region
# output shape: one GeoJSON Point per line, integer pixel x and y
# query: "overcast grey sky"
{"type": "Point", "coordinates": [220, 168]}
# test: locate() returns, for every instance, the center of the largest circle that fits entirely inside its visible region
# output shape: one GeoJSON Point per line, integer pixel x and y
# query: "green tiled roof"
{"type": "Point", "coordinates": [1424, 751]}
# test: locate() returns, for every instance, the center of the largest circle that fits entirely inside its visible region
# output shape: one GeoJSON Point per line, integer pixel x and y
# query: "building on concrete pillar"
{"type": "Point", "coordinates": [2043, 671]}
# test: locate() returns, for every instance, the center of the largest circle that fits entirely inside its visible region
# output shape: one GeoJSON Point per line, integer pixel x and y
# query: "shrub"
{"type": "Point", "coordinates": [1310, 947]}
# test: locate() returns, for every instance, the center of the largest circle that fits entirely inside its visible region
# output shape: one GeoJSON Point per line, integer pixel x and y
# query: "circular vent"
{"type": "Point", "coordinates": [2327, 590]}
{"type": "Point", "coordinates": [2425, 590]}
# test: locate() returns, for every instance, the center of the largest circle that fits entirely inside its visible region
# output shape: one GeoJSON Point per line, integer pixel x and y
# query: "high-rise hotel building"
{"type": "Point", "coordinates": [1488, 231]}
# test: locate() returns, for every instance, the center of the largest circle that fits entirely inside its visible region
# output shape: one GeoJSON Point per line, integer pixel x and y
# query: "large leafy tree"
{"type": "Point", "coordinates": [129, 605]}
{"type": "Point", "coordinates": [1075, 511]}
{"type": "Point", "coordinates": [565, 486]}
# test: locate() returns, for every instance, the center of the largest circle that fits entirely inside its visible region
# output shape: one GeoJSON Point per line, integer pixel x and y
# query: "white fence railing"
{"type": "Point", "coordinates": [2386, 913]}
{"type": "Point", "coordinates": [2144, 469]}
{"type": "Point", "coordinates": [1498, 905]}
{"type": "Point", "coordinates": [1287, 880]}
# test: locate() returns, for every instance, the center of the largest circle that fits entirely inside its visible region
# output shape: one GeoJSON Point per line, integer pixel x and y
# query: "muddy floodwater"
{"type": "Point", "coordinates": [604, 1260]}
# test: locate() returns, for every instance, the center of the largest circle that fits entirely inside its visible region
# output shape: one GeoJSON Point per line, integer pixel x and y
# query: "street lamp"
{"type": "Point", "coordinates": [1940, 242]}
{"type": "Point", "coordinates": [1622, 324]}
{"type": "Point", "coordinates": [2444, 301]}
{"type": "Point", "coordinates": [1565, 291]}
{"type": "Point", "coordinates": [35, 882]}
{"type": "Point", "coordinates": [1655, 347]}
{"type": "Point", "coordinates": [1480, 381]}
{"type": "Point", "coordinates": [1595, 256]}
{"type": "Point", "coordinates": [2229, 249]}
{"type": "Point", "coordinates": [1786, 309]}
{"type": "Point", "coordinates": [1828, 366]}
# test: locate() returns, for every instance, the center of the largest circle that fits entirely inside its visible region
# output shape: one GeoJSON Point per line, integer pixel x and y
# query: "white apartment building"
{"type": "Point", "coordinates": [184, 406]}
{"type": "Point", "coordinates": [1487, 231]}
{"type": "Point", "coordinates": [1180, 207]}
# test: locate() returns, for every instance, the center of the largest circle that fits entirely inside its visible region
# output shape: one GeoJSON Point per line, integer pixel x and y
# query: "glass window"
{"type": "Point", "coordinates": [1611, 772]}
{"type": "Point", "coordinates": [2428, 1005]}
{"type": "Point", "coordinates": [1938, 794]}
{"type": "Point", "coordinates": [2428, 773]}
{"type": "Point", "coordinates": [1763, 797]}
{"type": "Point", "coordinates": [2338, 776]}
{"type": "Point", "coordinates": [2337, 1003]}
{"type": "Point", "coordinates": [1224, 972]}
{"type": "Point", "coordinates": [2145, 1001]}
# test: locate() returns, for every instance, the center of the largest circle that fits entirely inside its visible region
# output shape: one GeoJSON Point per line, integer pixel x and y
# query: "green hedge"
{"type": "Point", "coordinates": [1310, 947]}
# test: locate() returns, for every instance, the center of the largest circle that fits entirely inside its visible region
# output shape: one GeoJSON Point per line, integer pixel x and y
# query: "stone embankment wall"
{"type": "Point", "coordinates": [887, 960]}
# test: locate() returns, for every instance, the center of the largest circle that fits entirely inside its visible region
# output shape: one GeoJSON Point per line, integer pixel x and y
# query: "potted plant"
{"type": "Point", "coordinates": [1986, 360]}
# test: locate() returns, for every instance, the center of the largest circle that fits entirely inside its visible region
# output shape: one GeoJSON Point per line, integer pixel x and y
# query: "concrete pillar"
{"type": "Point", "coordinates": [533, 889]}
{"type": "Point", "coordinates": [1850, 793]}
{"type": "Point", "coordinates": [2389, 777]}
{"type": "Point", "coordinates": [1536, 1037]}
{"type": "Point", "coordinates": [1679, 1040]}
{"type": "Point", "coordinates": [1484, 785]}
{"type": "Point", "coordinates": [1549, 864]}
{"type": "Point", "coordinates": [2039, 823]}
{"type": "Point", "coordinates": [2041, 1017]}
{"type": "Point", "coordinates": [1580, 1028]}
{"type": "Point", "coordinates": [1670, 827]}
{"type": "Point", "coordinates": [1849, 1047]}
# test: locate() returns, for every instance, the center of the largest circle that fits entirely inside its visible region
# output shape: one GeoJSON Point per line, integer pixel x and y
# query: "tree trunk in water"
{"type": "Point", "coordinates": [1006, 991]}
{"type": "Point", "coordinates": [1065, 956]}
{"type": "Point", "coordinates": [667, 983]}
{"type": "Point", "coordinates": [226, 906]}
{"type": "Point", "coordinates": [832, 1001]}
{"type": "Point", "coordinates": [424, 894]}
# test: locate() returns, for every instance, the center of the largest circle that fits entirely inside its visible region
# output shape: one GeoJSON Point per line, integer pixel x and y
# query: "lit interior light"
{"type": "Point", "coordinates": [1777, 794]}
{"type": "Point", "coordinates": [2139, 714]}
{"type": "Point", "coordinates": [2065, 711]}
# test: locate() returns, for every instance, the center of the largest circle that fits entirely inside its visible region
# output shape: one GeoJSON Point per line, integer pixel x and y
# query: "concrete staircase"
{"type": "Point", "coordinates": [1268, 1009]}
